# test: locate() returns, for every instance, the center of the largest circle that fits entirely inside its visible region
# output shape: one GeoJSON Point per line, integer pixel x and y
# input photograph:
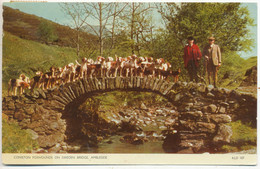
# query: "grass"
{"type": "Point", "coordinates": [244, 137]}
{"type": "Point", "coordinates": [26, 56]}
{"type": "Point", "coordinates": [16, 140]}
{"type": "Point", "coordinates": [235, 68]}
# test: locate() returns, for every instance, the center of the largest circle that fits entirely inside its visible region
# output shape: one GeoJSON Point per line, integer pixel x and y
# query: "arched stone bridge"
{"type": "Point", "coordinates": [202, 120]}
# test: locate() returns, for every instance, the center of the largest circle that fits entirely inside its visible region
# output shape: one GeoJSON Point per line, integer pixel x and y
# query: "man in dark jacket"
{"type": "Point", "coordinates": [212, 56]}
{"type": "Point", "coordinates": [191, 57]}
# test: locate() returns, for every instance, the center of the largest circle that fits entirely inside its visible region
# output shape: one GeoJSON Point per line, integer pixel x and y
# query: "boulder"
{"type": "Point", "coordinates": [33, 134]}
{"type": "Point", "coordinates": [223, 135]}
{"type": "Point", "coordinates": [132, 139]}
{"type": "Point", "coordinates": [195, 145]}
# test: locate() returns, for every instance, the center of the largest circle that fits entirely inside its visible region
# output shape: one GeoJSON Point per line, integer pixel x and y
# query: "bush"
{"type": "Point", "coordinates": [16, 140]}
{"type": "Point", "coordinates": [46, 32]}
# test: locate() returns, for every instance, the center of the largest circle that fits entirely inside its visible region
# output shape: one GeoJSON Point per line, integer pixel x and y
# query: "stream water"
{"type": "Point", "coordinates": [114, 145]}
{"type": "Point", "coordinates": [149, 139]}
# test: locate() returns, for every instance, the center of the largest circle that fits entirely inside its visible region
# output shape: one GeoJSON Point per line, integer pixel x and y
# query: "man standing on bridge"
{"type": "Point", "coordinates": [212, 56]}
{"type": "Point", "coordinates": [191, 57]}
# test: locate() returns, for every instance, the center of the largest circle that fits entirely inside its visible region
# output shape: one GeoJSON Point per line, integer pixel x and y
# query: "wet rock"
{"type": "Point", "coordinates": [132, 139]}
{"type": "Point", "coordinates": [220, 118]}
{"type": "Point", "coordinates": [129, 126]}
{"type": "Point", "coordinates": [195, 145]}
{"type": "Point", "coordinates": [223, 136]}
{"type": "Point", "coordinates": [76, 148]}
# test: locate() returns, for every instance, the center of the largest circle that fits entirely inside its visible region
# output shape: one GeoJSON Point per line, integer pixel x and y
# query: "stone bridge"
{"type": "Point", "coordinates": [204, 112]}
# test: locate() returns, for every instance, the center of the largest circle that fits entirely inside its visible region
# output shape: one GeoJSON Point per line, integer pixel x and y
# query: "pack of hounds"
{"type": "Point", "coordinates": [88, 68]}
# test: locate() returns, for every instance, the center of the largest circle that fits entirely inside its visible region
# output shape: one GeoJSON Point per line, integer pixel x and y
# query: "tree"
{"type": "Point", "coordinates": [133, 14]}
{"type": "Point", "coordinates": [77, 13]}
{"type": "Point", "coordinates": [117, 10]}
{"type": "Point", "coordinates": [226, 21]}
{"type": "Point", "coordinates": [46, 32]}
{"type": "Point", "coordinates": [100, 12]}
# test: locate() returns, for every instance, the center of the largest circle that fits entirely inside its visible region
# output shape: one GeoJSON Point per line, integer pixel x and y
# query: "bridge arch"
{"type": "Point", "coordinates": [202, 120]}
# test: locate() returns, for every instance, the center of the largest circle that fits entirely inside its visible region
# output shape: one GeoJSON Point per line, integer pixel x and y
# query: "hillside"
{"type": "Point", "coordinates": [26, 25]}
{"type": "Point", "coordinates": [27, 56]}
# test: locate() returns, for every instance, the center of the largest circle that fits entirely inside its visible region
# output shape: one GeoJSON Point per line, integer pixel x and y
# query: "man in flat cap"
{"type": "Point", "coordinates": [191, 57]}
{"type": "Point", "coordinates": [212, 56]}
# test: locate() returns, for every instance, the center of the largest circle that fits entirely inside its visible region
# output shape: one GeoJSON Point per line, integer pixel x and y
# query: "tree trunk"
{"type": "Point", "coordinates": [132, 28]}
{"type": "Point", "coordinates": [100, 29]}
{"type": "Point", "coordinates": [78, 43]}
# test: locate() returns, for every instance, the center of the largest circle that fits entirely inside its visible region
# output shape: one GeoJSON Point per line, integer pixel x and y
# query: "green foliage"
{"type": "Point", "coordinates": [47, 32]}
{"type": "Point", "coordinates": [118, 99]}
{"type": "Point", "coordinates": [233, 68]}
{"type": "Point", "coordinates": [228, 22]}
{"type": "Point", "coordinates": [16, 140]}
{"type": "Point", "coordinates": [243, 134]}
{"type": "Point", "coordinates": [243, 138]}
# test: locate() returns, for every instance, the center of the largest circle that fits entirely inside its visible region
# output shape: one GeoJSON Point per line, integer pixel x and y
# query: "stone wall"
{"type": "Point", "coordinates": [201, 125]}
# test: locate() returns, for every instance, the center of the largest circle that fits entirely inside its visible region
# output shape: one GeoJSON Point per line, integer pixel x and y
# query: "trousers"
{"type": "Point", "coordinates": [192, 70]}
